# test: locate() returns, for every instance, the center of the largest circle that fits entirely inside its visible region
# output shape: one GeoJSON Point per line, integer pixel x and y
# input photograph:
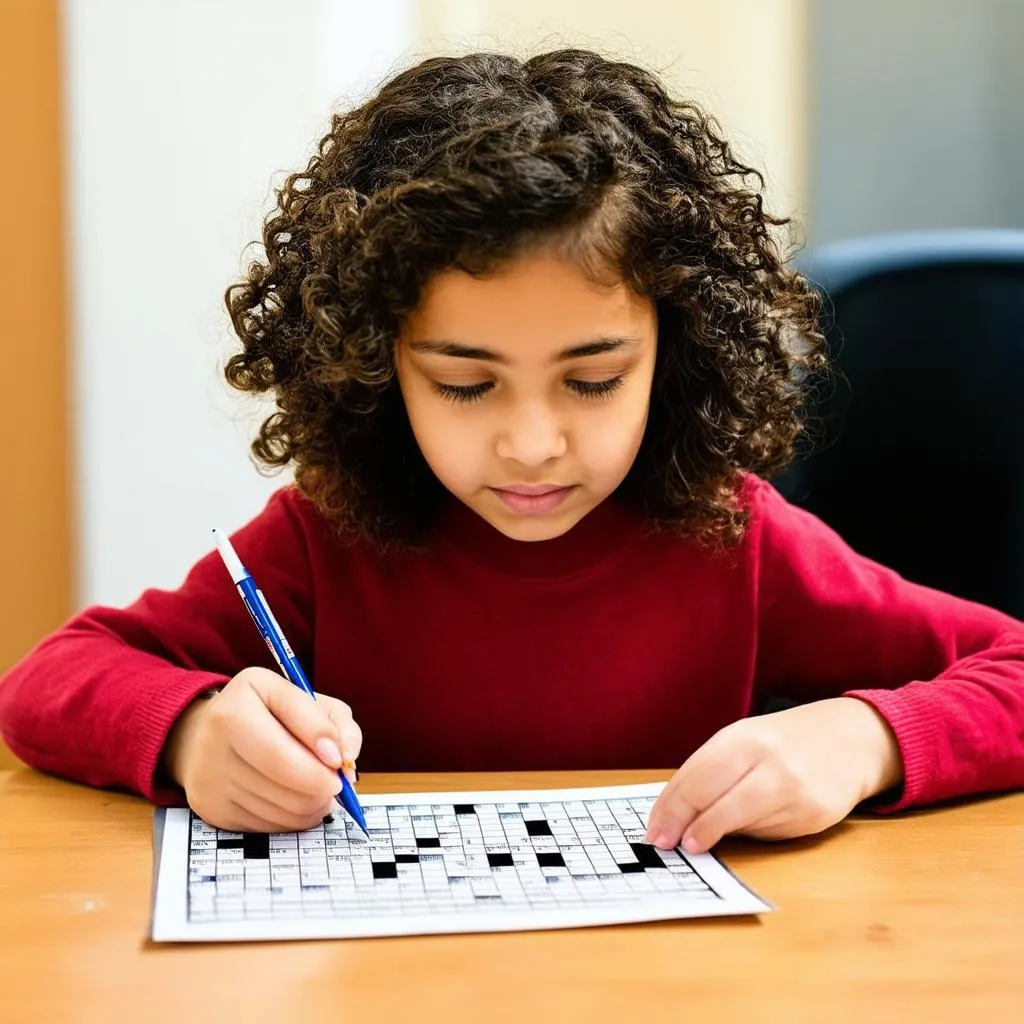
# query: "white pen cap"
{"type": "Point", "coordinates": [231, 559]}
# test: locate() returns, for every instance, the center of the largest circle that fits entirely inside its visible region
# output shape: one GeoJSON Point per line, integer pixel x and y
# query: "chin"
{"type": "Point", "coordinates": [535, 528]}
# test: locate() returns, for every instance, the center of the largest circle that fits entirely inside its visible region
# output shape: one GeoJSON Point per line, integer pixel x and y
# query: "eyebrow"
{"type": "Point", "coordinates": [458, 350]}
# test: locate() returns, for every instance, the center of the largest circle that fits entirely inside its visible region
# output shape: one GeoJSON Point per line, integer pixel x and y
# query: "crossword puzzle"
{"type": "Point", "coordinates": [427, 859]}
{"type": "Point", "coordinates": [436, 863]}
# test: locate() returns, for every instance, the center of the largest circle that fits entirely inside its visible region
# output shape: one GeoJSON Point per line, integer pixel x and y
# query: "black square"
{"type": "Point", "coordinates": [385, 869]}
{"type": "Point", "coordinates": [631, 869]}
{"type": "Point", "coordinates": [465, 809]}
{"type": "Point", "coordinates": [538, 828]}
{"type": "Point", "coordinates": [406, 858]}
{"type": "Point", "coordinates": [647, 855]}
{"type": "Point", "coordinates": [550, 860]}
{"type": "Point", "coordinates": [500, 860]}
{"type": "Point", "coordinates": [424, 842]}
{"type": "Point", "coordinates": [256, 846]}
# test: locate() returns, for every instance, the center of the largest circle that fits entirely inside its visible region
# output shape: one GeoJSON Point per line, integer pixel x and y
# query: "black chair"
{"type": "Point", "coordinates": [915, 452]}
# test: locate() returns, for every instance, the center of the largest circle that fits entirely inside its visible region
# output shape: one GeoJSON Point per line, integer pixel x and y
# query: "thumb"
{"type": "Point", "coordinates": [302, 716]}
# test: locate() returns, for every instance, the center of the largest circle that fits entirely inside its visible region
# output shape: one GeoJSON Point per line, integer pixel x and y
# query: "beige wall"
{"type": "Point", "coordinates": [745, 60]}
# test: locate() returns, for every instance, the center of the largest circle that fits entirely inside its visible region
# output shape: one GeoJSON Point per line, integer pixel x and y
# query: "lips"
{"type": "Point", "coordinates": [532, 490]}
{"type": "Point", "coordinates": [532, 499]}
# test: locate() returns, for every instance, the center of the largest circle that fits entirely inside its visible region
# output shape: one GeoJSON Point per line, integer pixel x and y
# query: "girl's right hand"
{"type": "Point", "coordinates": [261, 756]}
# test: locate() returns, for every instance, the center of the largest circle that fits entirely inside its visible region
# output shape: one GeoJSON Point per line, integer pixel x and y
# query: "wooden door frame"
{"type": "Point", "coordinates": [36, 515]}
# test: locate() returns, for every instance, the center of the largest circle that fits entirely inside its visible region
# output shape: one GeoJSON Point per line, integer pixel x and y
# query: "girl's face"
{"type": "Point", "coordinates": [528, 389]}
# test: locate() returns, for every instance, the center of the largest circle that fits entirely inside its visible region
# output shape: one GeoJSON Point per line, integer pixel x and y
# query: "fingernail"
{"type": "Point", "coordinates": [658, 839]}
{"type": "Point", "coordinates": [690, 845]}
{"type": "Point", "coordinates": [329, 752]}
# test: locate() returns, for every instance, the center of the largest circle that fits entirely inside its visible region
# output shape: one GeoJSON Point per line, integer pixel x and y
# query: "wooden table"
{"type": "Point", "coordinates": [918, 918]}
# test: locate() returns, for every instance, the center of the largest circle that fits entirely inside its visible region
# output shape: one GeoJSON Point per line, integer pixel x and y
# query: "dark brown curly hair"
{"type": "Point", "coordinates": [464, 162]}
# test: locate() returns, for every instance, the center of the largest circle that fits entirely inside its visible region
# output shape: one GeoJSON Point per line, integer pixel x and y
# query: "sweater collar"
{"type": "Point", "coordinates": [600, 533]}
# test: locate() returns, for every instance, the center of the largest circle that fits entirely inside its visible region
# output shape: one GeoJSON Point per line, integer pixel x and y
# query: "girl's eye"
{"type": "Point", "coordinates": [462, 392]}
{"type": "Point", "coordinates": [595, 388]}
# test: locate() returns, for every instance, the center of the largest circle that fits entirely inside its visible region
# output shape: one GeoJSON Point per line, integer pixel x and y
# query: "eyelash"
{"type": "Point", "coordinates": [463, 394]}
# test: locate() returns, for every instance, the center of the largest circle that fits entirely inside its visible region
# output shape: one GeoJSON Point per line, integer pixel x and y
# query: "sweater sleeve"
{"type": "Point", "coordinates": [946, 674]}
{"type": "Point", "coordinates": [95, 700]}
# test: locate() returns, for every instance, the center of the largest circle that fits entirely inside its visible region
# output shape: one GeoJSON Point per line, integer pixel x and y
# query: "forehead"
{"type": "Point", "coordinates": [534, 303]}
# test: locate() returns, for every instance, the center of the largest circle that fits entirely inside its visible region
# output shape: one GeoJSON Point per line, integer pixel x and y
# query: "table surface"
{"type": "Point", "coordinates": [918, 917]}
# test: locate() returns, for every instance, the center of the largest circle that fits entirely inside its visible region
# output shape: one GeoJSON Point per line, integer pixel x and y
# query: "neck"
{"type": "Point", "coordinates": [601, 532]}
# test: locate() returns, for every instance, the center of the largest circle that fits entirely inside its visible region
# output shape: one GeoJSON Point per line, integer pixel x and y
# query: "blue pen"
{"type": "Point", "coordinates": [279, 647]}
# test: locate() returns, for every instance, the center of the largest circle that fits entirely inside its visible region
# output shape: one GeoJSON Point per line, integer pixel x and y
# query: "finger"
{"type": "Point", "coordinates": [261, 809]}
{"type": "Point", "coordinates": [266, 744]}
{"type": "Point", "coordinates": [301, 804]}
{"type": "Point", "coordinates": [301, 715]}
{"type": "Point", "coordinates": [717, 767]}
{"type": "Point", "coordinates": [669, 816]}
{"type": "Point", "coordinates": [238, 818]}
{"type": "Point", "coordinates": [349, 733]}
{"type": "Point", "coordinates": [235, 818]}
{"type": "Point", "coordinates": [707, 775]}
{"type": "Point", "coordinates": [756, 796]}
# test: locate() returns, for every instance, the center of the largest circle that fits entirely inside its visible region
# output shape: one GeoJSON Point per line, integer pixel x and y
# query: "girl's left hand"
{"type": "Point", "coordinates": [778, 776]}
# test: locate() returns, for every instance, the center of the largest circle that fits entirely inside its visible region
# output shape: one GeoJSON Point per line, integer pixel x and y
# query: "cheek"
{"type": "Point", "coordinates": [455, 459]}
{"type": "Point", "coordinates": [453, 452]}
{"type": "Point", "coordinates": [608, 443]}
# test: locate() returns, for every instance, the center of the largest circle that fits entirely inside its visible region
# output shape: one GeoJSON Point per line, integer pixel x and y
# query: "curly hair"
{"type": "Point", "coordinates": [465, 162]}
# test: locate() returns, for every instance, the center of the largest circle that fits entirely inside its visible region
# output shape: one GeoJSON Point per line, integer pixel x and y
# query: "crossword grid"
{"type": "Point", "coordinates": [424, 859]}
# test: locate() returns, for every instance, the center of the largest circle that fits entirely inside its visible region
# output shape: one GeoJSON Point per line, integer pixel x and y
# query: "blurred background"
{"type": "Point", "coordinates": [142, 139]}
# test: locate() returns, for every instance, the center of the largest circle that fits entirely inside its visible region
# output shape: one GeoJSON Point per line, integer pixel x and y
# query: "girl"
{"type": "Point", "coordinates": [534, 351]}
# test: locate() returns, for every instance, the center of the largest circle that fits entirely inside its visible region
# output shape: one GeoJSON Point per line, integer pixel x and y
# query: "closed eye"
{"type": "Point", "coordinates": [462, 392]}
{"type": "Point", "coordinates": [465, 393]}
{"type": "Point", "coordinates": [595, 388]}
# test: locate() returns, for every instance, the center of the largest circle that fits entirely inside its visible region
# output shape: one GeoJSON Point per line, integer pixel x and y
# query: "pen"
{"type": "Point", "coordinates": [261, 614]}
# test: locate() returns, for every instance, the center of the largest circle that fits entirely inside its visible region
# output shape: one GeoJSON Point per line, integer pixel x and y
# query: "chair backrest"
{"type": "Point", "coordinates": [917, 446]}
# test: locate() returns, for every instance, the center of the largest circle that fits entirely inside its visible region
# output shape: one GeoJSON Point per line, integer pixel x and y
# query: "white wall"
{"type": "Point", "coordinates": [180, 116]}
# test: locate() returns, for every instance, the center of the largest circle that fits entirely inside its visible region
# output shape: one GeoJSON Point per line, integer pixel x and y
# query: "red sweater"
{"type": "Point", "coordinates": [608, 647]}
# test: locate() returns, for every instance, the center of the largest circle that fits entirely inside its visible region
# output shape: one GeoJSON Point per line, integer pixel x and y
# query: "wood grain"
{"type": "Point", "coordinates": [35, 516]}
{"type": "Point", "coordinates": [919, 917]}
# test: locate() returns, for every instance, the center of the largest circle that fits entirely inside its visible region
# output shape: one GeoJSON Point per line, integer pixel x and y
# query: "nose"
{"type": "Point", "coordinates": [532, 435]}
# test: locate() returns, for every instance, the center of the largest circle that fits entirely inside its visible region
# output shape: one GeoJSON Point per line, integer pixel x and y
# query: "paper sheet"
{"type": "Point", "coordinates": [437, 863]}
